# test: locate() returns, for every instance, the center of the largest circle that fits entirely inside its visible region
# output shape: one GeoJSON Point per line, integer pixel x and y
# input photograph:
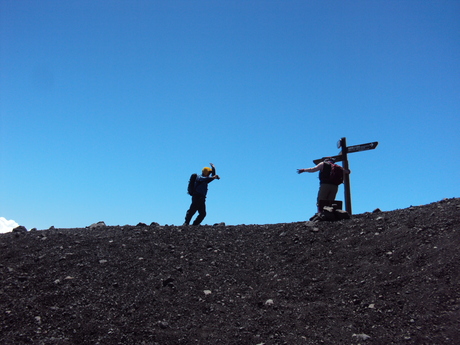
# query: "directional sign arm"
{"type": "Point", "coordinates": [350, 149]}
{"type": "Point", "coordinates": [362, 147]}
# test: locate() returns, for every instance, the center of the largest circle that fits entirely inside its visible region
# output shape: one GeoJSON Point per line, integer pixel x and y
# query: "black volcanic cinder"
{"type": "Point", "coordinates": [378, 278]}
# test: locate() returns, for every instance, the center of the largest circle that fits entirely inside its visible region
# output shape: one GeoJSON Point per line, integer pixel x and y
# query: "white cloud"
{"type": "Point", "coordinates": [7, 225]}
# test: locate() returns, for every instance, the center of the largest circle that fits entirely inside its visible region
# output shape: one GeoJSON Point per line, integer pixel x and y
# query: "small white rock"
{"type": "Point", "coordinates": [361, 336]}
{"type": "Point", "coordinates": [269, 302]}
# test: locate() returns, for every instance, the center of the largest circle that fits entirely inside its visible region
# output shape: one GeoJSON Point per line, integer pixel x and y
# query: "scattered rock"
{"type": "Point", "coordinates": [168, 282]}
{"type": "Point", "coordinates": [361, 336]}
{"type": "Point", "coordinates": [20, 229]}
{"type": "Point", "coordinates": [163, 324]}
{"type": "Point", "coordinates": [269, 302]}
{"type": "Point", "coordinates": [97, 225]}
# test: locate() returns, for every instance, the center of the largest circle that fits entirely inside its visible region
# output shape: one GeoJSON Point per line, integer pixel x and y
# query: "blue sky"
{"type": "Point", "coordinates": [107, 107]}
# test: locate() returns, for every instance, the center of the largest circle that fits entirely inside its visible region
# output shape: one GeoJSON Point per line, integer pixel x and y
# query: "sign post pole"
{"type": "Point", "coordinates": [346, 177]}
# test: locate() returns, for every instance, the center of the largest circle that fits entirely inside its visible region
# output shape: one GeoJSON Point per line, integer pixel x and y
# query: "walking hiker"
{"type": "Point", "coordinates": [330, 177]}
{"type": "Point", "coordinates": [198, 188]}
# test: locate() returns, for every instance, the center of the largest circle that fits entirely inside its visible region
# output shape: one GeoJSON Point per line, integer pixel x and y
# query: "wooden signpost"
{"type": "Point", "coordinates": [343, 157]}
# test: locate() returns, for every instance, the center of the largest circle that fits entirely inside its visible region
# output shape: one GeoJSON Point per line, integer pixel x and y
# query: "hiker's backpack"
{"type": "Point", "coordinates": [332, 173]}
{"type": "Point", "coordinates": [191, 184]}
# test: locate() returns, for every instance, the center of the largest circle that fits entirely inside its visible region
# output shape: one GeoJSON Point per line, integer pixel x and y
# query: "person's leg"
{"type": "Point", "coordinates": [191, 211]}
{"type": "Point", "coordinates": [332, 192]}
{"type": "Point", "coordinates": [321, 198]}
{"type": "Point", "coordinates": [326, 194]}
{"type": "Point", "coordinates": [201, 207]}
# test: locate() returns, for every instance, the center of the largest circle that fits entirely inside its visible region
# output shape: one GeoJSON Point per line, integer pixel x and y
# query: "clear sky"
{"type": "Point", "coordinates": [107, 107]}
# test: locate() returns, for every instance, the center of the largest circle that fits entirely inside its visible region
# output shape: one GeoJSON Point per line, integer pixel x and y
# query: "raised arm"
{"type": "Point", "coordinates": [310, 170]}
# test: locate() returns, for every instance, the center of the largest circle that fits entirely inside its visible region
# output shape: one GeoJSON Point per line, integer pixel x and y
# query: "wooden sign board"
{"type": "Point", "coordinates": [337, 158]}
{"type": "Point", "coordinates": [350, 149]}
{"type": "Point", "coordinates": [362, 147]}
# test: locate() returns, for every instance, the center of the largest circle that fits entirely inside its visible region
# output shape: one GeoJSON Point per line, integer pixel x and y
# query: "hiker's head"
{"type": "Point", "coordinates": [330, 160]}
{"type": "Point", "coordinates": [206, 171]}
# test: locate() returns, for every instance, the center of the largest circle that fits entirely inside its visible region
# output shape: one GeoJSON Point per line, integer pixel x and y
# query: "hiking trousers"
{"type": "Point", "coordinates": [198, 204]}
{"type": "Point", "coordinates": [326, 191]}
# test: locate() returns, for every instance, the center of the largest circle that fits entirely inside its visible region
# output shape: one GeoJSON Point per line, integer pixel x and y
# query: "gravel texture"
{"type": "Point", "coordinates": [378, 278]}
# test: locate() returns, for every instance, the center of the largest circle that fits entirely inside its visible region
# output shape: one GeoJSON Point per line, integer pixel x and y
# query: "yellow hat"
{"type": "Point", "coordinates": [206, 169]}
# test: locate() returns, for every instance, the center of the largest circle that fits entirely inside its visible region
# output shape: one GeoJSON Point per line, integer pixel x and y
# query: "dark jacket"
{"type": "Point", "coordinates": [201, 183]}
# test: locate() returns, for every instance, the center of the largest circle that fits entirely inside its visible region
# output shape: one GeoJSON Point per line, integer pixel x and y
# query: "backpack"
{"type": "Point", "coordinates": [332, 173]}
{"type": "Point", "coordinates": [191, 184]}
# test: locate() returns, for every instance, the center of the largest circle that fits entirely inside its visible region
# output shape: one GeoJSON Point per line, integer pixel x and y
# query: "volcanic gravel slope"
{"type": "Point", "coordinates": [378, 278]}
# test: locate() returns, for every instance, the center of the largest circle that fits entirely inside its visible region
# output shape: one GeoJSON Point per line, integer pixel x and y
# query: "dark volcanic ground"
{"type": "Point", "coordinates": [379, 278]}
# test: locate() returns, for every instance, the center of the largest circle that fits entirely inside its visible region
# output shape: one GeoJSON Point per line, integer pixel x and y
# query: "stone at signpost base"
{"type": "Point", "coordinates": [316, 217]}
{"type": "Point", "coordinates": [336, 204]}
{"type": "Point", "coordinates": [328, 213]}
{"type": "Point", "coordinates": [341, 214]}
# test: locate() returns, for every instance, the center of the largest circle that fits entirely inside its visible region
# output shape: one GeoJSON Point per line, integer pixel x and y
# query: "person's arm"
{"type": "Point", "coordinates": [210, 178]}
{"type": "Point", "coordinates": [213, 172]}
{"type": "Point", "coordinates": [319, 167]}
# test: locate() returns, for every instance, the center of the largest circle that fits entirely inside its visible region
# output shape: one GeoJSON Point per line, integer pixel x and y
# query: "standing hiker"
{"type": "Point", "coordinates": [330, 177]}
{"type": "Point", "coordinates": [198, 188]}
